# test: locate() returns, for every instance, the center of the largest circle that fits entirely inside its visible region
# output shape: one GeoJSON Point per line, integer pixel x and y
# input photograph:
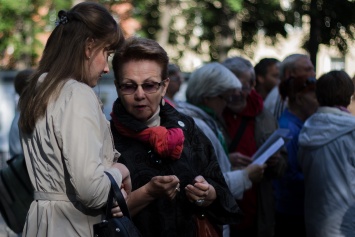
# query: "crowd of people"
{"type": "Point", "coordinates": [178, 161]}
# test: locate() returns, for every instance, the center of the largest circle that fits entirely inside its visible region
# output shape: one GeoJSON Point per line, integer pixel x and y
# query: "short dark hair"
{"type": "Point", "coordinates": [173, 69]}
{"type": "Point", "coordinates": [21, 80]}
{"type": "Point", "coordinates": [136, 49]}
{"type": "Point", "coordinates": [262, 66]}
{"type": "Point", "coordinates": [334, 88]}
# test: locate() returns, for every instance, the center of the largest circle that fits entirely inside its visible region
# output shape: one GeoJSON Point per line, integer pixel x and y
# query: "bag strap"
{"type": "Point", "coordinates": [115, 192]}
{"type": "Point", "coordinates": [238, 135]}
{"type": "Point", "coordinates": [21, 159]}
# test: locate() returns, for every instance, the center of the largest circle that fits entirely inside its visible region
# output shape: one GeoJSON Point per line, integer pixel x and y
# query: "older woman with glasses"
{"type": "Point", "coordinates": [173, 166]}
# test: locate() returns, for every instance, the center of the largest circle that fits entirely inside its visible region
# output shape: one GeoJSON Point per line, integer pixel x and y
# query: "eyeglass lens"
{"type": "Point", "coordinates": [148, 87]}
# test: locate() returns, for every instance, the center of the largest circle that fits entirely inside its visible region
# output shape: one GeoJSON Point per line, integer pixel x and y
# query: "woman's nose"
{"type": "Point", "coordinates": [139, 93]}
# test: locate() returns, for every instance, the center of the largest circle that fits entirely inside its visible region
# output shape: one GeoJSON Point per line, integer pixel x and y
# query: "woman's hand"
{"type": "Point", "coordinates": [201, 192]}
{"type": "Point", "coordinates": [274, 159]}
{"type": "Point", "coordinates": [255, 172]}
{"type": "Point", "coordinates": [116, 210]}
{"type": "Point", "coordinates": [239, 160]}
{"type": "Point", "coordinates": [126, 178]}
{"type": "Point", "coordinates": [160, 186]}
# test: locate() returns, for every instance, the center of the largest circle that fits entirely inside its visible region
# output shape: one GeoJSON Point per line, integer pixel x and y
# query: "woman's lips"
{"type": "Point", "coordinates": [140, 107]}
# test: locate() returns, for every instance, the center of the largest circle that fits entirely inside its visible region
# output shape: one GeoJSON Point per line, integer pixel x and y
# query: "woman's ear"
{"type": "Point", "coordinates": [89, 45]}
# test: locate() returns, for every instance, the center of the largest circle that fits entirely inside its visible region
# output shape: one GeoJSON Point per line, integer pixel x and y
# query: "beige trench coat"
{"type": "Point", "coordinates": [66, 157]}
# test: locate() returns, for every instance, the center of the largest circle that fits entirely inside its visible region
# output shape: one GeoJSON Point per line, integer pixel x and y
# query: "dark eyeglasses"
{"type": "Point", "coordinates": [309, 82]}
{"type": "Point", "coordinates": [232, 98]}
{"type": "Point", "coordinates": [148, 87]}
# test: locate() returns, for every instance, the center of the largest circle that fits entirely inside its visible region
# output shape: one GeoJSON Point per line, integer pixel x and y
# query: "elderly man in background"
{"type": "Point", "coordinates": [296, 65]}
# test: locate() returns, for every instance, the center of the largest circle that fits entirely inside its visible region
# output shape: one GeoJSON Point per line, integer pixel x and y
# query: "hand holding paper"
{"type": "Point", "coordinates": [270, 146]}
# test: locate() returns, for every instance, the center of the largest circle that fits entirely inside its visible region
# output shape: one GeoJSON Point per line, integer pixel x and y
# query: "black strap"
{"type": "Point", "coordinates": [238, 135]}
{"type": "Point", "coordinates": [115, 192]}
{"type": "Point", "coordinates": [21, 159]}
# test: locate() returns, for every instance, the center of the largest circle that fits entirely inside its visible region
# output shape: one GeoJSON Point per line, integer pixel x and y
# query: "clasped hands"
{"type": "Point", "coordinates": [200, 192]}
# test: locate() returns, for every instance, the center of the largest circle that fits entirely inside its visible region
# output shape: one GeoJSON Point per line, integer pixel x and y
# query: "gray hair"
{"type": "Point", "coordinates": [239, 66]}
{"type": "Point", "coordinates": [210, 80]}
{"type": "Point", "coordinates": [289, 64]}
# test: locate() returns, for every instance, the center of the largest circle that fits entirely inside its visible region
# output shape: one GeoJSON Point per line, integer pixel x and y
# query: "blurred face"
{"type": "Point", "coordinates": [272, 77]}
{"type": "Point", "coordinates": [304, 67]}
{"type": "Point", "coordinates": [351, 106]}
{"type": "Point", "coordinates": [219, 103]}
{"type": "Point", "coordinates": [141, 88]}
{"type": "Point", "coordinates": [174, 84]}
{"type": "Point", "coordinates": [309, 103]}
{"type": "Point", "coordinates": [240, 101]}
{"type": "Point", "coordinates": [97, 64]}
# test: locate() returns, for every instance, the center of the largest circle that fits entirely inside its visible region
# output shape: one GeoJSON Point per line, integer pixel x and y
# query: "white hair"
{"type": "Point", "coordinates": [210, 80]}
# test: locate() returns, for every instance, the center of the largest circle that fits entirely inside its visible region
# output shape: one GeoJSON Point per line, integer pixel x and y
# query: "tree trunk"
{"type": "Point", "coordinates": [314, 35]}
{"type": "Point", "coordinates": [164, 22]}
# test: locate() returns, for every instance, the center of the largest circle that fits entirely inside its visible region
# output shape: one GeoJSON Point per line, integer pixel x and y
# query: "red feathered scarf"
{"type": "Point", "coordinates": [168, 143]}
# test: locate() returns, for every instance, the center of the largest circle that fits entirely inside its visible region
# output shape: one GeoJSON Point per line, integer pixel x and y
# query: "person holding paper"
{"type": "Point", "coordinates": [249, 125]}
{"type": "Point", "coordinates": [210, 88]}
{"type": "Point", "coordinates": [327, 158]}
{"type": "Point", "coordinates": [289, 190]}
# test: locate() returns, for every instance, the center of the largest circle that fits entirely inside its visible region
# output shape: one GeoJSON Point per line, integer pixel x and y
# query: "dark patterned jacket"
{"type": "Point", "coordinates": [163, 217]}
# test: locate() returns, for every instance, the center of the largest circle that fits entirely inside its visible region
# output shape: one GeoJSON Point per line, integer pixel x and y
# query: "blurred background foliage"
{"type": "Point", "coordinates": [210, 28]}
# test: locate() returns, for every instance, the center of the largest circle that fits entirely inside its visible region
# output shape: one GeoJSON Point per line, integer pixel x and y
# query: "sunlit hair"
{"type": "Point", "coordinates": [334, 88]}
{"type": "Point", "coordinates": [290, 64]}
{"type": "Point", "coordinates": [240, 66]}
{"type": "Point", "coordinates": [137, 49]}
{"type": "Point", "coordinates": [210, 80]}
{"type": "Point", "coordinates": [64, 57]}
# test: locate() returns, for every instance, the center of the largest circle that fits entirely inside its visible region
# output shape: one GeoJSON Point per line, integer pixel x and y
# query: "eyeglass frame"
{"type": "Point", "coordinates": [156, 84]}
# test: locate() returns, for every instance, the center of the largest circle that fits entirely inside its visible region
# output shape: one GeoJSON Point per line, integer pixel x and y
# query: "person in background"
{"type": "Point", "coordinates": [65, 136]}
{"type": "Point", "coordinates": [267, 75]}
{"type": "Point", "coordinates": [351, 106]}
{"type": "Point", "coordinates": [174, 169]}
{"type": "Point", "coordinates": [249, 125]}
{"type": "Point", "coordinates": [210, 89]}
{"type": "Point", "coordinates": [289, 190]}
{"type": "Point", "coordinates": [327, 158]}
{"type": "Point", "coordinates": [20, 82]}
{"type": "Point", "coordinates": [175, 81]}
{"type": "Point", "coordinates": [296, 65]}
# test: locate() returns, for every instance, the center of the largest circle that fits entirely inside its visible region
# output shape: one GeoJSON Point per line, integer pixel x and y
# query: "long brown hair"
{"type": "Point", "coordinates": [64, 57]}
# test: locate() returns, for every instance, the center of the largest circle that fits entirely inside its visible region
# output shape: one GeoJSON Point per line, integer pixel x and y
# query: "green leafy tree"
{"type": "Point", "coordinates": [21, 22]}
{"type": "Point", "coordinates": [227, 24]}
{"type": "Point", "coordinates": [331, 23]}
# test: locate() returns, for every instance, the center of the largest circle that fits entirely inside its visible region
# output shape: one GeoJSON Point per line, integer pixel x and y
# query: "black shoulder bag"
{"type": "Point", "coordinates": [116, 226]}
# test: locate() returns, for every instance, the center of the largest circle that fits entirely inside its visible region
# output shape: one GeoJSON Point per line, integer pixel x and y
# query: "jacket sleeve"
{"type": "Point", "coordinates": [80, 134]}
{"type": "Point", "coordinates": [224, 210]}
{"type": "Point", "coordinates": [238, 180]}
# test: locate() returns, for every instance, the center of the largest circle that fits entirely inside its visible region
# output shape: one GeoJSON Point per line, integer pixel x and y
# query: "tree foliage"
{"type": "Point", "coordinates": [206, 27]}
{"type": "Point", "coordinates": [227, 24]}
{"type": "Point", "coordinates": [20, 23]}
